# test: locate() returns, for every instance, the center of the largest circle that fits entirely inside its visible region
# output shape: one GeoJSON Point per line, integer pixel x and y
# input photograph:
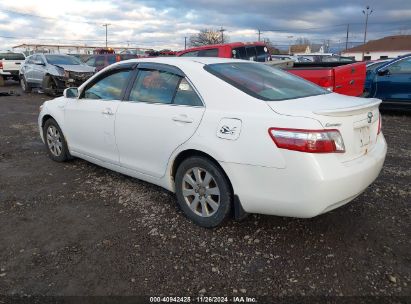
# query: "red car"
{"type": "Point", "coordinates": [255, 51]}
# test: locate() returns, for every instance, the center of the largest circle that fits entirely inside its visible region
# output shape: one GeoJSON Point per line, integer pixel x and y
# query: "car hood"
{"type": "Point", "coordinates": [76, 68]}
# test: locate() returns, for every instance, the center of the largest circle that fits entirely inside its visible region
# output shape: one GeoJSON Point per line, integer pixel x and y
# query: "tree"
{"type": "Point", "coordinates": [271, 48]}
{"type": "Point", "coordinates": [207, 36]}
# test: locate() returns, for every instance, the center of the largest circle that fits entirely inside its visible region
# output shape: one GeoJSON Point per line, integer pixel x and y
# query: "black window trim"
{"type": "Point", "coordinates": [163, 68]}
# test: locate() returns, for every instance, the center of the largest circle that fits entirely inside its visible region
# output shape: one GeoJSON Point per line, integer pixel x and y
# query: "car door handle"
{"type": "Point", "coordinates": [107, 112]}
{"type": "Point", "coordinates": [182, 118]}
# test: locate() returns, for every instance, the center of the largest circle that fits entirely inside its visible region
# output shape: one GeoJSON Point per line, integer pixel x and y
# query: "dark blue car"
{"type": "Point", "coordinates": [391, 82]}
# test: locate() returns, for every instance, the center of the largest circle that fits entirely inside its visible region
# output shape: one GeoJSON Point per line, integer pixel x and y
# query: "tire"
{"type": "Point", "coordinates": [55, 142]}
{"type": "Point", "coordinates": [207, 208]}
{"type": "Point", "coordinates": [1, 81]}
{"type": "Point", "coordinates": [49, 86]}
{"type": "Point", "coordinates": [25, 87]}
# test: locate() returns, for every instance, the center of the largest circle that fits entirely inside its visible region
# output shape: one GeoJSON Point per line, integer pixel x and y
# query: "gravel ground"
{"type": "Point", "coordinates": [78, 229]}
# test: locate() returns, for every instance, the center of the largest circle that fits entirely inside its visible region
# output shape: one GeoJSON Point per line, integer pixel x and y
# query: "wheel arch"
{"type": "Point", "coordinates": [238, 211]}
{"type": "Point", "coordinates": [182, 155]}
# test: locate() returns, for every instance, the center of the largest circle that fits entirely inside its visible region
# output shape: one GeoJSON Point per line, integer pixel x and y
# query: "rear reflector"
{"type": "Point", "coordinates": [311, 141]}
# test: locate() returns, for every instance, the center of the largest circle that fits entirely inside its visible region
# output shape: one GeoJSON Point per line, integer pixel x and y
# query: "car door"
{"type": "Point", "coordinates": [162, 111]}
{"type": "Point", "coordinates": [39, 69]}
{"type": "Point", "coordinates": [27, 69]}
{"type": "Point", "coordinates": [89, 120]}
{"type": "Point", "coordinates": [393, 82]}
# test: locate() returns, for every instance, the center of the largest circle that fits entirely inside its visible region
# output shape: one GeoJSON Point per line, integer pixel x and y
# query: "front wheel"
{"type": "Point", "coordinates": [203, 191]}
{"type": "Point", "coordinates": [24, 85]}
{"type": "Point", "coordinates": [55, 142]}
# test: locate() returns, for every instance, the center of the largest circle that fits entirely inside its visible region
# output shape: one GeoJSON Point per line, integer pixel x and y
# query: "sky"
{"type": "Point", "coordinates": [164, 24]}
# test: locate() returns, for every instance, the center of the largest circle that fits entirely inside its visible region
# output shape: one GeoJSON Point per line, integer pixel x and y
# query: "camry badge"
{"type": "Point", "coordinates": [370, 116]}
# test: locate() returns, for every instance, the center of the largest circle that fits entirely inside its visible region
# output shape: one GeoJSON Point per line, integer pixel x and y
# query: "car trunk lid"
{"type": "Point", "coordinates": [355, 118]}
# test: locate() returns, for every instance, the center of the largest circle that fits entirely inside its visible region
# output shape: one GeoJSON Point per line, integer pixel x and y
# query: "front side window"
{"type": "Point", "coordinates": [108, 88]}
{"type": "Point", "coordinates": [264, 82]}
{"type": "Point", "coordinates": [402, 66]}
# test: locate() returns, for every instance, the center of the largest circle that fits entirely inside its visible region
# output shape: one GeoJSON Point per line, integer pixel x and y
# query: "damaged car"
{"type": "Point", "coordinates": [52, 73]}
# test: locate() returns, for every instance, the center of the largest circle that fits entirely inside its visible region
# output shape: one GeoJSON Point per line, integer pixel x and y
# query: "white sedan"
{"type": "Point", "coordinates": [227, 136]}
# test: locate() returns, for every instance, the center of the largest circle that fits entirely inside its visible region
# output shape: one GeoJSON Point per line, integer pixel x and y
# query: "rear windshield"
{"type": "Point", "coordinates": [62, 59]}
{"type": "Point", "coordinates": [264, 82]}
{"type": "Point", "coordinates": [11, 56]}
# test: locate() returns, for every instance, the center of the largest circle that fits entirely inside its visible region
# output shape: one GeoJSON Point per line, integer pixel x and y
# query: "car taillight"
{"type": "Point", "coordinates": [379, 123]}
{"type": "Point", "coordinates": [311, 141]}
{"type": "Point", "coordinates": [1, 64]}
{"type": "Point", "coordinates": [327, 83]}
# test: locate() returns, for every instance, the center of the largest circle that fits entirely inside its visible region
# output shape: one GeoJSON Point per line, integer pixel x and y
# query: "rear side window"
{"type": "Point", "coordinates": [251, 53]}
{"type": "Point", "coordinates": [186, 95]}
{"type": "Point", "coordinates": [11, 56]}
{"type": "Point", "coordinates": [190, 54]}
{"type": "Point", "coordinates": [264, 82]}
{"type": "Point", "coordinates": [155, 86]}
{"type": "Point", "coordinates": [208, 53]}
{"type": "Point", "coordinates": [108, 88]}
{"type": "Point", "coordinates": [261, 53]}
{"type": "Point", "coordinates": [239, 53]}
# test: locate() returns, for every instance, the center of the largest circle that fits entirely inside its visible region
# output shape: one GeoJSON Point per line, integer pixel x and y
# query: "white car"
{"type": "Point", "coordinates": [227, 136]}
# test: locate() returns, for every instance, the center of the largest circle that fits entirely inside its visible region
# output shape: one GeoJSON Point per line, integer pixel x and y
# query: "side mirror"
{"type": "Point", "coordinates": [70, 93]}
{"type": "Point", "coordinates": [39, 62]}
{"type": "Point", "coordinates": [383, 72]}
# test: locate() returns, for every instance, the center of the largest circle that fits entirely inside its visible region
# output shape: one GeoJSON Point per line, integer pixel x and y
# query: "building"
{"type": "Point", "coordinates": [387, 47]}
{"type": "Point", "coordinates": [303, 49]}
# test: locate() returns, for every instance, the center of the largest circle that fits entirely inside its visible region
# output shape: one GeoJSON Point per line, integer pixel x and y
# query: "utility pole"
{"type": "Point", "coordinates": [366, 12]}
{"type": "Point", "coordinates": [259, 34]}
{"type": "Point", "coordinates": [106, 25]}
{"type": "Point", "coordinates": [185, 43]}
{"type": "Point", "coordinates": [222, 34]}
{"type": "Point", "coordinates": [346, 38]}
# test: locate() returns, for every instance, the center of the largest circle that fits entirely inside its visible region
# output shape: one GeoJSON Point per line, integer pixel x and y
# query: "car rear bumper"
{"type": "Point", "coordinates": [310, 184]}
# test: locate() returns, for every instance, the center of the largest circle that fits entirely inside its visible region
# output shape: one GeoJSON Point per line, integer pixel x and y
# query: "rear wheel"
{"type": "Point", "coordinates": [203, 191]}
{"type": "Point", "coordinates": [55, 142]}
{"type": "Point", "coordinates": [24, 85]}
{"type": "Point", "coordinates": [1, 81]}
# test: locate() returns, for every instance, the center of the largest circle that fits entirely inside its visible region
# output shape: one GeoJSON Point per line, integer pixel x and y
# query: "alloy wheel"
{"type": "Point", "coordinates": [201, 192]}
{"type": "Point", "coordinates": [54, 141]}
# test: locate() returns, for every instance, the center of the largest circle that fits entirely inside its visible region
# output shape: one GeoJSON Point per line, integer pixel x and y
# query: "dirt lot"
{"type": "Point", "coordinates": [78, 229]}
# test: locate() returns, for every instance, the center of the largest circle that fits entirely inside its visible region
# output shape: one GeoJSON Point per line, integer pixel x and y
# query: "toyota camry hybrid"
{"type": "Point", "coordinates": [228, 137]}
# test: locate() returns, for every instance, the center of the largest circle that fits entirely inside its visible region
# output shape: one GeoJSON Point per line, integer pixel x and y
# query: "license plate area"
{"type": "Point", "coordinates": [363, 135]}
